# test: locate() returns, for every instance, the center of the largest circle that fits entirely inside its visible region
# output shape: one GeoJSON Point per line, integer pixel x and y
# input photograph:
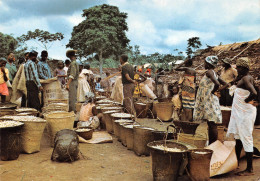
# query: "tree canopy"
{"type": "Point", "coordinates": [44, 37]}
{"type": "Point", "coordinates": [193, 44]}
{"type": "Point", "coordinates": [7, 44]}
{"type": "Point", "coordinates": [103, 32]}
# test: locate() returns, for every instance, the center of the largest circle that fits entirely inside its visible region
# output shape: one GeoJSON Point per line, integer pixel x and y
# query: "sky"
{"type": "Point", "coordinates": [155, 25]}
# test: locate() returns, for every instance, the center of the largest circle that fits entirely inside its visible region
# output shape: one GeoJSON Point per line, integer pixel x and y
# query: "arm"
{"type": "Point", "coordinates": [33, 68]}
{"type": "Point", "coordinates": [250, 86]}
{"type": "Point", "coordinates": [129, 78]}
{"type": "Point", "coordinates": [181, 69]}
{"type": "Point", "coordinates": [72, 75]}
{"type": "Point", "coordinates": [210, 74]}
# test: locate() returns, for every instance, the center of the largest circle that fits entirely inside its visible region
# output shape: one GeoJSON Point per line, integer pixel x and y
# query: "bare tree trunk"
{"type": "Point", "coordinates": [100, 62]}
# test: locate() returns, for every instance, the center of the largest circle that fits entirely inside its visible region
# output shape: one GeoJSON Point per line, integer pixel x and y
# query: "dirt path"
{"type": "Point", "coordinates": [110, 161]}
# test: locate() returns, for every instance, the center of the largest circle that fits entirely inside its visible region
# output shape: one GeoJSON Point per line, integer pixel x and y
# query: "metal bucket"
{"type": "Point", "coordinates": [10, 142]}
{"type": "Point", "coordinates": [187, 127]}
{"type": "Point", "coordinates": [199, 164]}
{"type": "Point", "coordinates": [142, 136]}
{"type": "Point", "coordinates": [142, 109]}
{"type": "Point", "coordinates": [166, 164]}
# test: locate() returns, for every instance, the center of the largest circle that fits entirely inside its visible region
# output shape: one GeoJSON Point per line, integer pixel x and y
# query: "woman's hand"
{"type": "Point", "coordinates": [254, 103]}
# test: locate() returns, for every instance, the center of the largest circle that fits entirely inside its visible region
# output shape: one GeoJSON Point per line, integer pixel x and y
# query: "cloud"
{"type": "Point", "coordinates": [154, 25]}
{"type": "Point", "coordinates": [15, 9]}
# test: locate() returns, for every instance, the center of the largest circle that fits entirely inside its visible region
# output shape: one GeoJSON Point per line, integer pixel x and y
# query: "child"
{"type": "Point", "coordinates": [176, 103]}
{"type": "Point", "coordinates": [4, 77]}
{"type": "Point", "coordinates": [60, 73]}
{"type": "Point", "coordinates": [98, 86]}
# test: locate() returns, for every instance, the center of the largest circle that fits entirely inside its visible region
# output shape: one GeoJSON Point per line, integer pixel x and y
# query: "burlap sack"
{"type": "Point", "coordinates": [224, 158]}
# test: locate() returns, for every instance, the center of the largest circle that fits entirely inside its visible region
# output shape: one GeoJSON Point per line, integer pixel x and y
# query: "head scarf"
{"type": "Point", "coordinates": [227, 60]}
{"type": "Point", "coordinates": [212, 60]}
{"type": "Point", "coordinates": [243, 62]}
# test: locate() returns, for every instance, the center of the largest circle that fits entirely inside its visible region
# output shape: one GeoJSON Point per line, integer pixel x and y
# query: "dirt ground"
{"type": "Point", "coordinates": [110, 161]}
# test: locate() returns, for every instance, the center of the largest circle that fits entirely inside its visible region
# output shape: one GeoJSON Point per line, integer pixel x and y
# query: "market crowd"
{"type": "Point", "coordinates": [234, 86]}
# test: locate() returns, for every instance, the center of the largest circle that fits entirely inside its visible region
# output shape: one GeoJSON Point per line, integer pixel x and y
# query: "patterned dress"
{"type": "Point", "coordinates": [188, 92]}
{"type": "Point", "coordinates": [207, 104]}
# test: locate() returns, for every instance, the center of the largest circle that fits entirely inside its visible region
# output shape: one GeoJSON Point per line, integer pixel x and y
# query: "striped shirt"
{"type": "Point", "coordinates": [44, 70]}
{"type": "Point", "coordinates": [31, 73]}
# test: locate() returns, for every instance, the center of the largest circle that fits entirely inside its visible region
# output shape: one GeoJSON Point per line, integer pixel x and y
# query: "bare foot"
{"type": "Point", "coordinates": [245, 173]}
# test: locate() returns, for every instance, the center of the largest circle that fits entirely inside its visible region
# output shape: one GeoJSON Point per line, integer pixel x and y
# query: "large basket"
{"type": "Point", "coordinates": [164, 110]}
{"type": "Point", "coordinates": [31, 135]}
{"type": "Point", "coordinates": [57, 121]}
{"type": "Point", "coordinates": [198, 141]}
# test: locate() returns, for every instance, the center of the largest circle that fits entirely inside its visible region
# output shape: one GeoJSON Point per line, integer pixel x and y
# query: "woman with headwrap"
{"type": "Point", "coordinates": [207, 103]}
{"type": "Point", "coordinates": [243, 114]}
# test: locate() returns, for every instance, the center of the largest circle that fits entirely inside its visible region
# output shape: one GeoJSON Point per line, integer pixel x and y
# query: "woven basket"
{"type": "Point", "coordinates": [53, 101]}
{"type": "Point", "coordinates": [164, 110]}
{"type": "Point", "coordinates": [31, 135]}
{"type": "Point", "coordinates": [198, 141]}
{"type": "Point", "coordinates": [57, 121]}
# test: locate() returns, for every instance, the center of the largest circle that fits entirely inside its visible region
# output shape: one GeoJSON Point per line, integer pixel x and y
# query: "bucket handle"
{"type": "Point", "coordinates": [167, 131]}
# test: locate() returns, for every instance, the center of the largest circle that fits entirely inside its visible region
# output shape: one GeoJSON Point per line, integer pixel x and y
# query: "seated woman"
{"type": "Point", "coordinates": [243, 114]}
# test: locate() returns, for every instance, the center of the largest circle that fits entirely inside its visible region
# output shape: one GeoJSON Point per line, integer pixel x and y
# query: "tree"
{"type": "Point", "coordinates": [103, 32]}
{"type": "Point", "coordinates": [44, 37]}
{"type": "Point", "coordinates": [7, 44]}
{"type": "Point", "coordinates": [193, 44]}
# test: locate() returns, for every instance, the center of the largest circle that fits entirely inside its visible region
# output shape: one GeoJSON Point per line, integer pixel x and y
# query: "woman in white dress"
{"type": "Point", "coordinates": [83, 85]}
{"type": "Point", "coordinates": [243, 114]}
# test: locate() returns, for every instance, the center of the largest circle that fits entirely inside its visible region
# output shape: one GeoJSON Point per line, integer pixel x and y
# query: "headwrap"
{"type": "Point", "coordinates": [243, 62]}
{"type": "Point", "coordinates": [70, 53]}
{"type": "Point", "coordinates": [212, 60]}
{"type": "Point", "coordinates": [227, 60]}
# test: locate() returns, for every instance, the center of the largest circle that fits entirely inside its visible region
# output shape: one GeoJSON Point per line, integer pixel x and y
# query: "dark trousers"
{"type": "Point", "coordinates": [128, 103]}
{"type": "Point", "coordinates": [226, 99]}
{"type": "Point", "coordinates": [73, 95]}
{"type": "Point", "coordinates": [33, 100]}
{"type": "Point", "coordinates": [23, 103]}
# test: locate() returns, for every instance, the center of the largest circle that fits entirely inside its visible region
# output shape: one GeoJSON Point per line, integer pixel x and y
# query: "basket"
{"type": "Point", "coordinates": [87, 134]}
{"type": "Point", "coordinates": [53, 101]}
{"type": "Point", "coordinates": [164, 110]}
{"type": "Point", "coordinates": [31, 135]}
{"type": "Point", "coordinates": [198, 141]}
{"type": "Point", "coordinates": [57, 121]}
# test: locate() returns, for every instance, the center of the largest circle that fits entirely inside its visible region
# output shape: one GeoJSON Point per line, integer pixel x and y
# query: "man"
{"type": "Point", "coordinates": [128, 83]}
{"type": "Point", "coordinates": [188, 89]}
{"type": "Point", "coordinates": [33, 84]}
{"type": "Point", "coordinates": [72, 84]}
{"type": "Point", "coordinates": [228, 74]}
{"type": "Point", "coordinates": [11, 66]}
{"type": "Point", "coordinates": [43, 67]}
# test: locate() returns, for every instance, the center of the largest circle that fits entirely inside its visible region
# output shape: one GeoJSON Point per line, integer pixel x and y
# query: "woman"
{"type": "Point", "coordinates": [83, 86]}
{"type": "Point", "coordinates": [243, 114]}
{"type": "Point", "coordinates": [4, 77]}
{"type": "Point", "coordinates": [207, 103]}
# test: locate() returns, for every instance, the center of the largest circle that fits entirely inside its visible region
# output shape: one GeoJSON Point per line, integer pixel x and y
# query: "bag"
{"type": "Point", "coordinates": [66, 146]}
